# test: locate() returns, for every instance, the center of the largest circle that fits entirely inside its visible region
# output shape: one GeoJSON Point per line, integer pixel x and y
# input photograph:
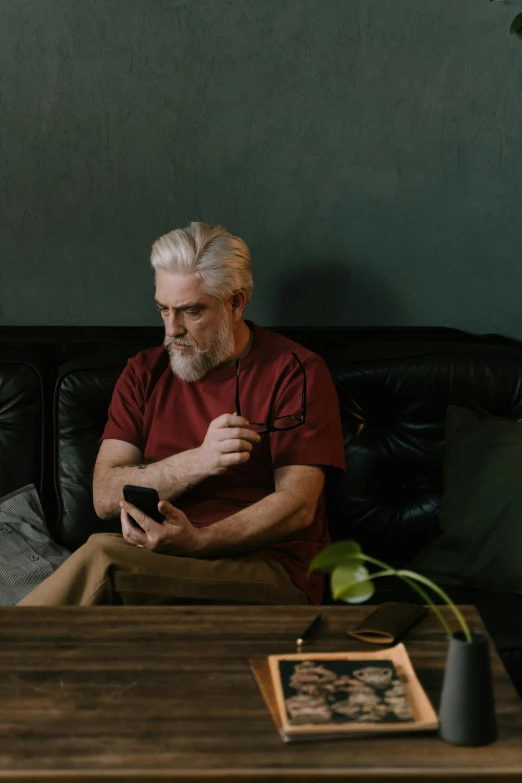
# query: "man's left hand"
{"type": "Point", "coordinates": [174, 536]}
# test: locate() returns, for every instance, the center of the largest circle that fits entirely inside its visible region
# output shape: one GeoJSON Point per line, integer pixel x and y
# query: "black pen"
{"type": "Point", "coordinates": [310, 630]}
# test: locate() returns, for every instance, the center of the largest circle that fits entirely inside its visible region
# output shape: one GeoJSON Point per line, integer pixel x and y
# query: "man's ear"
{"type": "Point", "coordinates": [239, 303]}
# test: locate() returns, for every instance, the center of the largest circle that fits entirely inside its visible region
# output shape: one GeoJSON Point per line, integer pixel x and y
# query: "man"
{"type": "Point", "coordinates": [234, 426]}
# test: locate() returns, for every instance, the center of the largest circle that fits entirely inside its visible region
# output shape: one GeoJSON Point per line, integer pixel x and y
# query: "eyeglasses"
{"type": "Point", "coordinates": [279, 422]}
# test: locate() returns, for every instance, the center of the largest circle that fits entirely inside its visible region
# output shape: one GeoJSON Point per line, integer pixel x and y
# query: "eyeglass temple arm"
{"type": "Point", "coordinates": [303, 396]}
{"type": "Point", "coordinates": [238, 406]}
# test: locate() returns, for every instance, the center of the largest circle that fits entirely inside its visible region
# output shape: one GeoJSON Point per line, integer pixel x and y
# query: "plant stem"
{"type": "Point", "coordinates": [371, 560]}
{"type": "Point", "coordinates": [411, 575]}
{"type": "Point", "coordinates": [410, 583]}
{"type": "Point", "coordinates": [427, 599]}
{"type": "Point", "coordinates": [445, 596]}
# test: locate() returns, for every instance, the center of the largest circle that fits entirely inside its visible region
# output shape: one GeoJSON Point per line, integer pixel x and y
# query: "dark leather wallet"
{"type": "Point", "coordinates": [388, 622]}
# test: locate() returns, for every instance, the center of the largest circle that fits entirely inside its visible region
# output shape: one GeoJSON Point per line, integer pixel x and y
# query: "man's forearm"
{"type": "Point", "coordinates": [262, 524]}
{"type": "Point", "coordinates": [171, 477]}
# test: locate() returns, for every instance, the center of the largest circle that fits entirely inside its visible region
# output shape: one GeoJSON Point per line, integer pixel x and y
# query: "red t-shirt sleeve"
{"type": "Point", "coordinates": [319, 441]}
{"type": "Point", "coordinates": [127, 407]}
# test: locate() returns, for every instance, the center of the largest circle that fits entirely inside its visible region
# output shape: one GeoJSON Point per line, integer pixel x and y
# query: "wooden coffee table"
{"type": "Point", "coordinates": [166, 693]}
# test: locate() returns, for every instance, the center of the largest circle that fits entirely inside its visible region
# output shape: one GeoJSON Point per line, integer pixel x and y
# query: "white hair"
{"type": "Point", "coordinates": [209, 253]}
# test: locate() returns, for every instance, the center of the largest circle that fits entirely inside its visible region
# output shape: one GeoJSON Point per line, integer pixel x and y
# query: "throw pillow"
{"type": "Point", "coordinates": [28, 555]}
{"type": "Point", "coordinates": [481, 508]}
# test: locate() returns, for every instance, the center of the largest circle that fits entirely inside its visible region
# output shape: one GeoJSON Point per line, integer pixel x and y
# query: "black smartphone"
{"type": "Point", "coordinates": [144, 498]}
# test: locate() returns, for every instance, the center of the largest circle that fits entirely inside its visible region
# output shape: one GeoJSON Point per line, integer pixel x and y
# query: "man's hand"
{"type": "Point", "coordinates": [229, 441]}
{"type": "Point", "coordinates": [174, 536]}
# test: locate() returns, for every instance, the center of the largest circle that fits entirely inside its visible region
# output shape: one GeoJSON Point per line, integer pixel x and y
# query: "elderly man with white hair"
{"type": "Point", "coordinates": [234, 425]}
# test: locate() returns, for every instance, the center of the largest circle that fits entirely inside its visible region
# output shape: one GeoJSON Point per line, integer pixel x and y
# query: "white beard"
{"type": "Point", "coordinates": [202, 360]}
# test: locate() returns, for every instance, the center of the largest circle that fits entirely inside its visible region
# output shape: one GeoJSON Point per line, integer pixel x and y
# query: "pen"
{"type": "Point", "coordinates": [309, 631]}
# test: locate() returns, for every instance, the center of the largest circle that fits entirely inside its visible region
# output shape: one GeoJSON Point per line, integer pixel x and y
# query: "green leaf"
{"type": "Point", "coordinates": [351, 583]}
{"type": "Point", "coordinates": [334, 555]}
{"type": "Point", "coordinates": [516, 25]}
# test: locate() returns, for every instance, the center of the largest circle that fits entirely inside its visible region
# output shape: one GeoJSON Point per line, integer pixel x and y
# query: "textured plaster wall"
{"type": "Point", "coordinates": [369, 151]}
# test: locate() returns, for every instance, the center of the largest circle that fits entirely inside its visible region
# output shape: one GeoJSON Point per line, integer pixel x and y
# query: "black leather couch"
{"type": "Point", "coordinates": [393, 384]}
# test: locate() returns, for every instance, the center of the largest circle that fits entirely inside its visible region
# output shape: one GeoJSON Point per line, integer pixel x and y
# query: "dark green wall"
{"type": "Point", "coordinates": [369, 151]}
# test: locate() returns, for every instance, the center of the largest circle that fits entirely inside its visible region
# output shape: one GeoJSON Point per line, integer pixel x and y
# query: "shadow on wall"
{"type": "Point", "coordinates": [338, 293]}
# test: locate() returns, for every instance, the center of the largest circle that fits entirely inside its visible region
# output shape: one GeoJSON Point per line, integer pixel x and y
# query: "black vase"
{"type": "Point", "coordinates": [467, 707]}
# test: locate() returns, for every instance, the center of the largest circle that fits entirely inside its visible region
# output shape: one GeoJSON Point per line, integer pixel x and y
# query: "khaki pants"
{"type": "Point", "coordinates": [109, 570]}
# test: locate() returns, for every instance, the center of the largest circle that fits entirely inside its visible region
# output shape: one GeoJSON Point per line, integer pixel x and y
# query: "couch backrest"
{"type": "Point", "coordinates": [393, 402]}
{"type": "Point", "coordinates": [83, 393]}
{"type": "Point", "coordinates": [393, 396]}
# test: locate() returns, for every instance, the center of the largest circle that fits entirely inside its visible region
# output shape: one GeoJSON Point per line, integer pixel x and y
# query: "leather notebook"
{"type": "Point", "coordinates": [387, 623]}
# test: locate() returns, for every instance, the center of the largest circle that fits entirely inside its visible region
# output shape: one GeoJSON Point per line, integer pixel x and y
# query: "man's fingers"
{"type": "Point", "coordinates": [228, 446]}
{"type": "Point", "coordinates": [168, 510]}
{"type": "Point", "coordinates": [230, 420]}
{"type": "Point", "coordinates": [229, 441]}
{"type": "Point", "coordinates": [172, 514]}
{"type": "Point", "coordinates": [146, 523]}
{"type": "Point", "coordinates": [131, 533]}
{"type": "Point", "coordinates": [234, 458]}
{"type": "Point", "coordinates": [229, 433]}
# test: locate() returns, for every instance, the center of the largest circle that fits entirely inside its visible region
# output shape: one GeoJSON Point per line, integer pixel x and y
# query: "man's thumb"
{"type": "Point", "coordinates": [166, 508]}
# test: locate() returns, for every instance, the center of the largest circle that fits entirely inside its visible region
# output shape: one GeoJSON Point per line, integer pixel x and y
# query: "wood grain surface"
{"type": "Point", "coordinates": [166, 693]}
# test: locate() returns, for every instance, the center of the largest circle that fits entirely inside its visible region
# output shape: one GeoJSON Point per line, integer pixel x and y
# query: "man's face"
{"type": "Point", "coordinates": [199, 332]}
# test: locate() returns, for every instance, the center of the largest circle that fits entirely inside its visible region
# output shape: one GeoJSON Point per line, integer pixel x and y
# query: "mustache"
{"type": "Point", "coordinates": [168, 341]}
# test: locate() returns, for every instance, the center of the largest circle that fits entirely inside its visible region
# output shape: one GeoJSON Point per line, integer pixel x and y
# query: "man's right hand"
{"type": "Point", "coordinates": [229, 441]}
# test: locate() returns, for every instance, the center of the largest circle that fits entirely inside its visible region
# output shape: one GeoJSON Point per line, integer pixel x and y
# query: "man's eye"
{"type": "Point", "coordinates": [193, 313]}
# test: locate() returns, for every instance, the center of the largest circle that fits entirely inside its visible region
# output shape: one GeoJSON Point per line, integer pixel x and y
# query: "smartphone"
{"type": "Point", "coordinates": [144, 498]}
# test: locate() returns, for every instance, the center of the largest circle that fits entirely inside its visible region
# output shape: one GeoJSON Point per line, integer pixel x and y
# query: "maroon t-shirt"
{"type": "Point", "coordinates": [162, 415]}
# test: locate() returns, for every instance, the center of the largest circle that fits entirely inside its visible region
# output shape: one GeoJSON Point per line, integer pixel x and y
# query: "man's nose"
{"type": "Point", "coordinates": [174, 327]}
